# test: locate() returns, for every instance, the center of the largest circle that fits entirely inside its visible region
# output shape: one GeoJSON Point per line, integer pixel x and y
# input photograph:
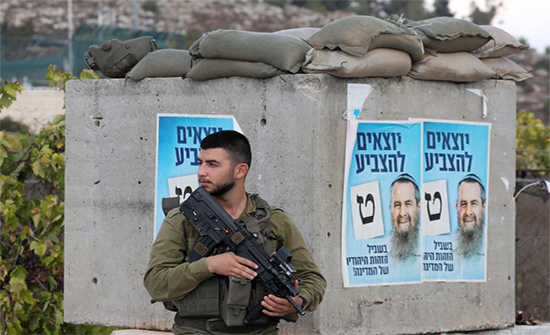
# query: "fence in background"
{"type": "Point", "coordinates": [533, 251]}
{"type": "Point", "coordinates": [26, 59]}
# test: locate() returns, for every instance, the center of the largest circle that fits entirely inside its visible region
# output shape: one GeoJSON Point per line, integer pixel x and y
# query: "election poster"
{"type": "Point", "coordinates": [455, 192]}
{"type": "Point", "coordinates": [381, 222]}
{"type": "Point", "coordinates": [178, 147]}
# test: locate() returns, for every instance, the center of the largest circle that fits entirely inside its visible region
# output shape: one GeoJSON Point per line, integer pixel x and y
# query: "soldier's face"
{"type": "Point", "coordinates": [404, 208]}
{"type": "Point", "coordinates": [470, 209]}
{"type": "Point", "coordinates": [216, 171]}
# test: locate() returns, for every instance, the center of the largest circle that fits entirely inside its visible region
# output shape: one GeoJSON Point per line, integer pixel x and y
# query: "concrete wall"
{"type": "Point", "coordinates": [295, 126]}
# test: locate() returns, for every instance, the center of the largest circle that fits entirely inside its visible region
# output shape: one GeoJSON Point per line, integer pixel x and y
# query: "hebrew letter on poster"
{"type": "Point", "coordinates": [182, 186]}
{"type": "Point", "coordinates": [366, 210]}
{"type": "Point", "coordinates": [435, 211]}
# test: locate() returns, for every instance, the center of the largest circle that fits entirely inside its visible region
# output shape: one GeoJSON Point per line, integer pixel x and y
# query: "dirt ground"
{"type": "Point", "coordinates": [36, 107]}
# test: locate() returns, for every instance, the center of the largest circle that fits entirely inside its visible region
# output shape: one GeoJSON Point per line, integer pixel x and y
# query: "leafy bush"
{"type": "Point", "coordinates": [532, 145]}
{"type": "Point", "coordinates": [32, 177]}
{"type": "Point", "coordinates": [8, 124]}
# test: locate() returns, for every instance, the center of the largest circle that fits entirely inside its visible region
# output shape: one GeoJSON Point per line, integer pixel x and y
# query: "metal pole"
{"type": "Point", "coordinates": [70, 34]}
{"type": "Point", "coordinates": [136, 15]}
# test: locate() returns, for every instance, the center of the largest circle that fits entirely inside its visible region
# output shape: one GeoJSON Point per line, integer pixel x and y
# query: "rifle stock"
{"type": "Point", "coordinates": [218, 228]}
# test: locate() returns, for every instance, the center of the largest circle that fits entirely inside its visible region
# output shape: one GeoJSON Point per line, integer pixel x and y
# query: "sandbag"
{"type": "Point", "coordinates": [281, 51]}
{"type": "Point", "coordinates": [161, 63]}
{"type": "Point", "coordinates": [380, 62]}
{"type": "Point", "coordinates": [454, 67]}
{"type": "Point", "coordinates": [304, 32]}
{"type": "Point", "coordinates": [503, 44]}
{"type": "Point", "coordinates": [115, 58]}
{"type": "Point", "coordinates": [446, 34]}
{"type": "Point", "coordinates": [206, 69]}
{"type": "Point", "coordinates": [507, 69]}
{"type": "Point", "coordinates": [360, 33]}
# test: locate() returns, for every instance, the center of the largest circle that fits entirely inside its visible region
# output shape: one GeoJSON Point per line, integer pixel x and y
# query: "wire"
{"type": "Point", "coordinates": [539, 183]}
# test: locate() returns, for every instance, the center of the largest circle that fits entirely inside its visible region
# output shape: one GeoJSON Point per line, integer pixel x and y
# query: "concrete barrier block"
{"type": "Point", "coordinates": [295, 126]}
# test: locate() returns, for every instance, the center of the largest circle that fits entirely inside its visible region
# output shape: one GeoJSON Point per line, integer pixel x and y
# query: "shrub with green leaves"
{"type": "Point", "coordinates": [32, 183]}
{"type": "Point", "coordinates": [532, 145]}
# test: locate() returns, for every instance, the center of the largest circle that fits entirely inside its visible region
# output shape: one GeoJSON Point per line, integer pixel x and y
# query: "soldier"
{"type": "Point", "coordinates": [208, 294]}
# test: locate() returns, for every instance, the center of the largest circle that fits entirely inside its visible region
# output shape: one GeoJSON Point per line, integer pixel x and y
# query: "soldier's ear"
{"type": "Point", "coordinates": [241, 170]}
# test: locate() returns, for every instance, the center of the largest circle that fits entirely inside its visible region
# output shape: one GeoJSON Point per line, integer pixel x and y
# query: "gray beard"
{"type": "Point", "coordinates": [470, 240]}
{"type": "Point", "coordinates": [405, 242]}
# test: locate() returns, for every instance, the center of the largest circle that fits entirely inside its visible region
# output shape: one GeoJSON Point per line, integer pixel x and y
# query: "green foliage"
{"type": "Point", "coordinates": [332, 5]}
{"type": "Point", "coordinates": [481, 17]}
{"type": "Point", "coordinates": [32, 182]}
{"type": "Point", "coordinates": [56, 78]}
{"type": "Point", "coordinates": [278, 3]}
{"type": "Point", "coordinates": [31, 268]}
{"type": "Point", "coordinates": [441, 8]}
{"type": "Point", "coordinates": [314, 5]}
{"type": "Point", "coordinates": [367, 7]}
{"type": "Point", "coordinates": [544, 61]}
{"type": "Point", "coordinates": [10, 125]}
{"type": "Point", "coordinates": [532, 144]}
{"type": "Point", "coordinates": [8, 91]}
{"type": "Point", "coordinates": [412, 10]}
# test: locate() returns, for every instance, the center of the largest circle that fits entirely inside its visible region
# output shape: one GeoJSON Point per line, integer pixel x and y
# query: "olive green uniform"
{"type": "Point", "coordinates": [169, 277]}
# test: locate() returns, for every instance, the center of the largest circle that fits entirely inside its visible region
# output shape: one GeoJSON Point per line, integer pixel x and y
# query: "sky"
{"type": "Point", "coordinates": [529, 19]}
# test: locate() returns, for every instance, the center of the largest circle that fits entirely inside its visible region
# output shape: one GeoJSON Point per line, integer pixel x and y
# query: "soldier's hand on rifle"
{"type": "Point", "coordinates": [277, 307]}
{"type": "Point", "coordinates": [229, 264]}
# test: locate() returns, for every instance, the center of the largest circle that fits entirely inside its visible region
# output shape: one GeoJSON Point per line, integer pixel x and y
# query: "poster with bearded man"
{"type": "Point", "coordinates": [454, 194]}
{"type": "Point", "coordinates": [381, 220]}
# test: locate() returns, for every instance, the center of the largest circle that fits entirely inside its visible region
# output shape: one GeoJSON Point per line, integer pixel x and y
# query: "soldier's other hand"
{"type": "Point", "coordinates": [277, 307]}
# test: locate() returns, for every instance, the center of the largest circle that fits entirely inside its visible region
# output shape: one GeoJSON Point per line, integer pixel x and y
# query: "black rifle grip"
{"type": "Point", "coordinates": [253, 314]}
{"type": "Point", "coordinates": [256, 312]}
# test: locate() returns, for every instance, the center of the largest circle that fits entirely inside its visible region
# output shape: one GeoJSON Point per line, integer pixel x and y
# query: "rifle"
{"type": "Point", "coordinates": [218, 228]}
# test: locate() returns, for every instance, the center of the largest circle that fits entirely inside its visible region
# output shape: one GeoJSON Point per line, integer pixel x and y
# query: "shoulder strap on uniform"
{"type": "Point", "coordinates": [170, 203]}
{"type": "Point", "coordinates": [263, 210]}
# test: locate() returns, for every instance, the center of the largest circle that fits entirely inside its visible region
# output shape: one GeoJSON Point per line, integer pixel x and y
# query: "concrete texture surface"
{"type": "Point", "coordinates": [295, 126]}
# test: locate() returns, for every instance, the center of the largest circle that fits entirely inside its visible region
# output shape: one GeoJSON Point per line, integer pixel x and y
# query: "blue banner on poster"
{"type": "Point", "coordinates": [178, 147]}
{"type": "Point", "coordinates": [455, 193]}
{"type": "Point", "coordinates": [381, 236]}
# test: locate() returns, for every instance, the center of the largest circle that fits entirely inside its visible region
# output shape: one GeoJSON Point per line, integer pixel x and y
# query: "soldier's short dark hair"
{"type": "Point", "coordinates": [235, 143]}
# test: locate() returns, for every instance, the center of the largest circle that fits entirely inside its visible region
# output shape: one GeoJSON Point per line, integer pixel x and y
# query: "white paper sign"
{"type": "Point", "coordinates": [366, 210]}
{"type": "Point", "coordinates": [435, 208]}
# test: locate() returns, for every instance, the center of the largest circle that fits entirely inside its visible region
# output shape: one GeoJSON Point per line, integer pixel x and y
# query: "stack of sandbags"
{"type": "Point", "coordinates": [381, 62]}
{"type": "Point", "coordinates": [363, 46]}
{"type": "Point", "coordinates": [225, 53]}
{"type": "Point", "coordinates": [441, 49]}
{"type": "Point", "coordinates": [461, 67]}
{"type": "Point", "coordinates": [303, 33]}
{"type": "Point", "coordinates": [493, 54]}
{"type": "Point", "coordinates": [161, 63]}
{"type": "Point", "coordinates": [446, 34]}
{"type": "Point", "coordinates": [448, 43]}
{"type": "Point", "coordinates": [358, 34]}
